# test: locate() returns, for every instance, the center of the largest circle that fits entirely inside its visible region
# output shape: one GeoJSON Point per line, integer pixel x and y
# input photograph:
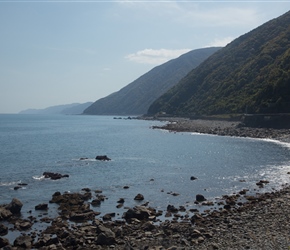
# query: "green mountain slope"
{"type": "Point", "coordinates": [251, 74]}
{"type": "Point", "coordinates": [135, 98]}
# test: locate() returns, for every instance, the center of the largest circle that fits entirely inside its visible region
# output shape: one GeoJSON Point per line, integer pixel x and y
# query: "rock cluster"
{"type": "Point", "coordinates": [231, 225]}
{"type": "Point", "coordinates": [54, 176]}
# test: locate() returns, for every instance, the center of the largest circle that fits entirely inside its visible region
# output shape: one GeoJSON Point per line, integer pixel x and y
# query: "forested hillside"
{"type": "Point", "coordinates": [251, 74]}
{"type": "Point", "coordinates": [135, 98]}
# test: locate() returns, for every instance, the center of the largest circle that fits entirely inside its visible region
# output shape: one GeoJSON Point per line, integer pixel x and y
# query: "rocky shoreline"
{"type": "Point", "coordinates": [239, 221]}
{"type": "Point", "coordinates": [224, 128]}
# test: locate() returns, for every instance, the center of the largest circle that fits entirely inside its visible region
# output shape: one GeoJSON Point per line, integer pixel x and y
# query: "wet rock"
{"type": "Point", "coordinates": [23, 242]}
{"type": "Point", "coordinates": [4, 242]}
{"type": "Point", "coordinates": [106, 236]}
{"type": "Point", "coordinates": [102, 158]}
{"type": "Point", "coordinates": [42, 206]}
{"type": "Point", "coordinates": [121, 200]}
{"type": "Point", "coordinates": [4, 213]}
{"type": "Point", "coordinates": [23, 225]}
{"type": "Point", "coordinates": [3, 230]}
{"type": "Point", "coordinates": [243, 192]}
{"type": "Point", "coordinates": [200, 198]}
{"type": "Point", "coordinates": [192, 178]}
{"type": "Point", "coordinates": [108, 216]}
{"type": "Point", "coordinates": [14, 206]}
{"type": "Point", "coordinates": [172, 209]}
{"type": "Point", "coordinates": [96, 202]}
{"type": "Point", "coordinates": [86, 189]}
{"type": "Point", "coordinates": [54, 176]}
{"type": "Point", "coordinates": [139, 197]}
{"type": "Point", "coordinates": [138, 212]}
{"type": "Point", "coordinates": [76, 216]}
{"type": "Point", "coordinates": [148, 226]}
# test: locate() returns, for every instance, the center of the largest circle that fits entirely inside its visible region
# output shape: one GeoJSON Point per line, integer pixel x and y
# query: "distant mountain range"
{"type": "Point", "coordinates": [251, 74]}
{"type": "Point", "coordinates": [136, 97]}
{"type": "Point", "coordinates": [67, 109]}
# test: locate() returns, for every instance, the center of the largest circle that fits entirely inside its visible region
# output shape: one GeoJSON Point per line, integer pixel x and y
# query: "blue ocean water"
{"type": "Point", "coordinates": [152, 162]}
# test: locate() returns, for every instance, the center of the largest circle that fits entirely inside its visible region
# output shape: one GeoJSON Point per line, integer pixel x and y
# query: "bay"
{"type": "Point", "coordinates": [152, 162]}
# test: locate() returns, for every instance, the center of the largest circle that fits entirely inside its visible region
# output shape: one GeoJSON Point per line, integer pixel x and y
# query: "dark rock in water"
{"type": "Point", "coordinates": [54, 176]}
{"type": "Point", "coordinates": [261, 183]}
{"type": "Point", "coordinates": [119, 205]}
{"type": "Point", "coordinates": [83, 158]}
{"type": "Point", "coordinates": [16, 188]}
{"type": "Point", "coordinates": [14, 206]}
{"type": "Point", "coordinates": [3, 242]}
{"type": "Point", "coordinates": [193, 178]}
{"type": "Point", "coordinates": [139, 197]}
{"type": "Point", "coordinates": [108, 216]}
{"type": "Point", "coordinates": [172, 209]}
{"type": "Point", "coordinates": [3, 230]}
{"type": "Point", "coordinates": [23, 242]}
{"type": "Point", "coordinates": [102, 158]}
{"type": "Point", "coordinates": [200, 197]}
{"type": "Point", "coordinates": [126, 187]}
{"type": "Point", "coordinates": [96, 202]}
{"type": "Point", "coordinates": [22, 184]}
{"type": "Point", "coordinates": [42, 206]}
{"type": "Point", "coordinates": [23, 225]}
{"type": "Point", "coordinates": [121, 200]}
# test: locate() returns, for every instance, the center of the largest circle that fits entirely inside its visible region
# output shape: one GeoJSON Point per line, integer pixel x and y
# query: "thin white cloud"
{"type": "Point", "coordinates": [220, 42]}
{"type": "Point", "coordinates": [153, 56]}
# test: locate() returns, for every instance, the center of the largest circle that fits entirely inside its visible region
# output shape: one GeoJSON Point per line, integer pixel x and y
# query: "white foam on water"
{"type": "Point", "coordinates": [7, 184]}
{"type": "Point", "coordinates": [41, 177]}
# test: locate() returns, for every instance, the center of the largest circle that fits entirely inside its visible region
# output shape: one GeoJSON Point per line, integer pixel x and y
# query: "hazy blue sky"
{"type": "Point", "coordinates": [60, 52]}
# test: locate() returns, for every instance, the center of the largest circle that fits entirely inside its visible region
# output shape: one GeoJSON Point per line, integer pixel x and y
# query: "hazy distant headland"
{"type": "Point", "coordinates": [66, 109]}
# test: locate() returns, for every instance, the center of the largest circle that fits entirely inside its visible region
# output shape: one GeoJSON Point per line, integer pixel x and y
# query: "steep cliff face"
{"type": "Point", "coordinates": [136, 97]}
{"type": "Point", "coordinates": [251, 74]}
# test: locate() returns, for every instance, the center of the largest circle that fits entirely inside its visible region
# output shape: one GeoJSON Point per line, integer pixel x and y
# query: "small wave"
{"type": "Point", "coordinates": [284, 144]}
{"type": "Point", "coordinates": [41, 177]}
{"type": "Point", "coordinates": [84, 159]}
{"type": "Point", "coordinates": [9, 183]}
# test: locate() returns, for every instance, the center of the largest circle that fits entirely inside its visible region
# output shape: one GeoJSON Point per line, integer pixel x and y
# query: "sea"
{"type": "Point", "coordinates": [155, 163]}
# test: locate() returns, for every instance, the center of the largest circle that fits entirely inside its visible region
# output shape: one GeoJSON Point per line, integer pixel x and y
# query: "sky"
{"type": "Point", "coordinates": [55, 52]}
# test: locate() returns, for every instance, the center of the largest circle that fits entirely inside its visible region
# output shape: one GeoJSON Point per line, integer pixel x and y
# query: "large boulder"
{"type": "Point", "coordinates": [4, 213]}
{"type": "Point", "coordinates": [102, 158]}
{"type": "Point", "coordinates": [138, 212]}
{"type": "Point", "coordinates": [23, 242]}
{"type": "Point", "coordinates": [42, 206]}
{"type": "Point", "coordinates": [14, 206]}
{"type": "Point", "coordinates": [4, 242]}
{"type": "Point", "coordinates": [3, 230]}
{"type": "Point", "coordinates": [54, 176]}
{"type": "Point", "coordinates": [200, 198]}
{"type": "Point", "coordinates": [106, 236]}
{"type": "Point", "coordinates": [139, 197]}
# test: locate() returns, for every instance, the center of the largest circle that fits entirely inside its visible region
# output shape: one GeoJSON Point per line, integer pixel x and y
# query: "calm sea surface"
{"type": "Point", "coordinates": [154, 163]}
